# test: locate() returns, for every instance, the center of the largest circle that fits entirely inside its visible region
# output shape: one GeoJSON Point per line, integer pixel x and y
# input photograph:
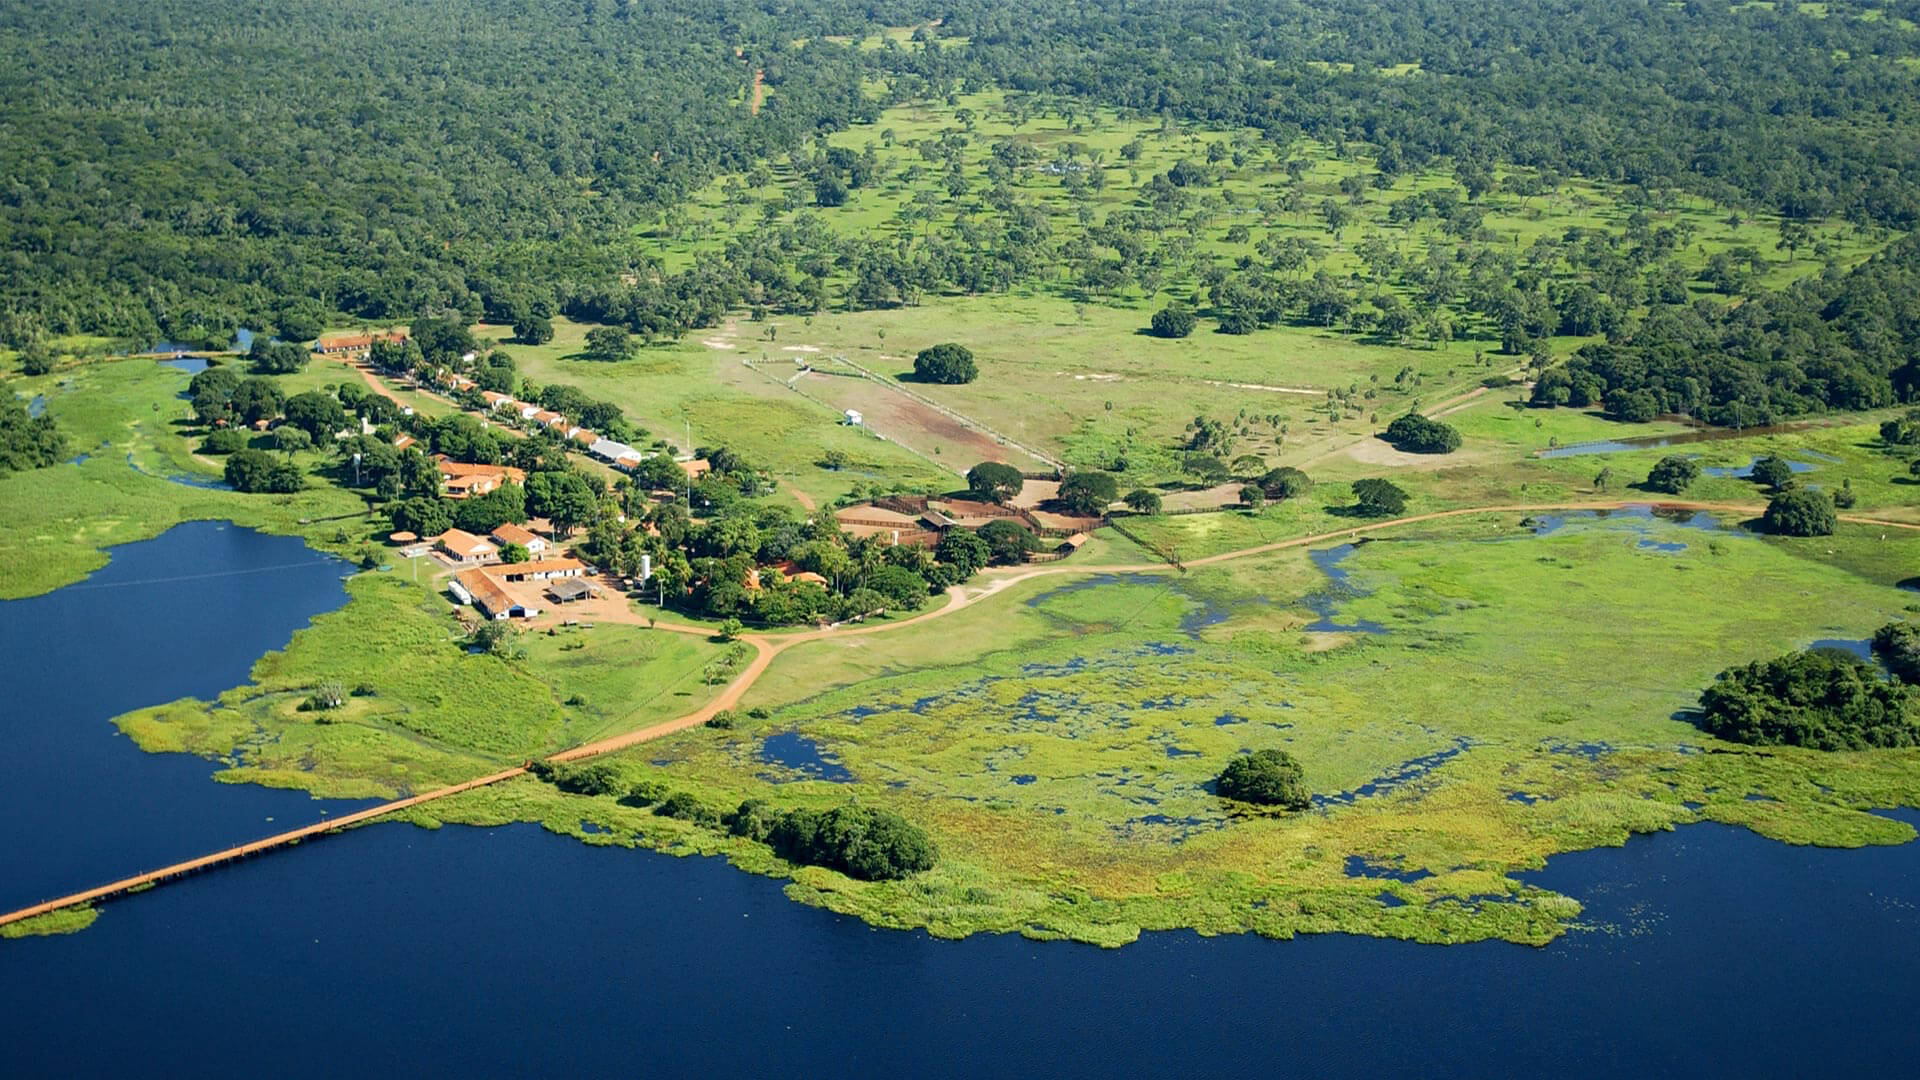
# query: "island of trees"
{"type": "Point", "coordinates": [1265, 777]}
{"type": "Point", "coordinates": [1825, 699]}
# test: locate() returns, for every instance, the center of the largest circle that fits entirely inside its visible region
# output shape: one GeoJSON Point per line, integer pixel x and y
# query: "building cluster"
{"type": "Point", "coordinates": [922, 519]}
{"type": "Point", "coordinates": [356, 346]}
{"type": "Point", "coordinates": [511, 590]}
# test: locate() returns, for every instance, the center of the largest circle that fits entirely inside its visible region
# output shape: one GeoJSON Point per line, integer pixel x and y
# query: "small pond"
{"type": "Point", "coordinates": [792, 750]}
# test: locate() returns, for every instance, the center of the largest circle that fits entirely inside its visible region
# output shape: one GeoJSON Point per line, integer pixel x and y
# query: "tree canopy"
{"type": "Point", "coordinates": [1800, 512]}
{"type": "Point", "coordinates": [1416, 434]}
{"type": "Point", "coordinates": [258, 471]}
{"type": "Point", "coordinates": [946, 363]}
{"type": "Point", "coordinates": [1826, 699]}
{"type": "Point", "coordinates": [1173, 321]}
{"type": "Point", "coordinates": [1266, 777]}
{"type": "Point", "coordinates": [861, 842]}
{"type": "Point", "coordinates": [994, 481]}
{"type": "Point", "coordinates": [1672, 474]}
{"type": "Point", "coordinates": [1376, 497]}
{"type": "Point", "coordinates": [27, 441]}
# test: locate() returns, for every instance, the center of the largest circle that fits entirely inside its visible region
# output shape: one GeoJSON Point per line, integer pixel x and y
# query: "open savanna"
{"type": "Point", "coordinates": [1526, 697]}
{"type": "Point", "coordinates": [1065, 365]}
{"type": "Point", "coordinates": [670, 388]}
{"type": "Point", "coordinates": [734, 202]}
{"type": "Point", "coordinates": [1082, 383]}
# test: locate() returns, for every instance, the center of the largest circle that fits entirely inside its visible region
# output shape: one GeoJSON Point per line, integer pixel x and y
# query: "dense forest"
{"type": "Point", "coordinates": [184, 167]}
{"type": "Point", "coordinates": [1834, 341]}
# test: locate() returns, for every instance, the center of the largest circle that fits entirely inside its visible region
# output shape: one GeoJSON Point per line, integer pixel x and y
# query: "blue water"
{"type": "Point", "coordinates": [192, 365]}
{"type": "Point", "coordinates": [182, 615]}
{"type": "Point", "coordinates": [795, 751]}
{"type": "Point", "coordinates": [1600, 446]}
{"type": "Point", "coordinates": [38, 405]}
{"type": "Point", "coordinates": [1743, 472]}
{"type": "Point", "coordinates": [1860, 647]}
{"type": "Point", "coordinates": [1638, 518]}
{"type": "Point", "coordinates": [407, 951]}
{"type": "Point", "coordinates": [1339, 590]}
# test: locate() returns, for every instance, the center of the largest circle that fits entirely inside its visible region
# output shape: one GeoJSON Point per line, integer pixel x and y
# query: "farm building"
{"type": "Point", "coordinates": [476, 588]}
{"type": "Point", "coordinates": [465, 548]}
{"type": "Point", "coordinates": [515, 534]}
{"type": "Point", "coordinates": [543, 570]}
{"type": "Point", "coordinates": [566, 592]}
{"type": "Point", "coordinates": [355, 344]}
{"type": "Point", "coordinates": [462, 480]}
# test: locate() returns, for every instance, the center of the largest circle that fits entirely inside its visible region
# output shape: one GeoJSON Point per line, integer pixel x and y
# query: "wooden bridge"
{"type": "Point", "coordinates": [232, 854]}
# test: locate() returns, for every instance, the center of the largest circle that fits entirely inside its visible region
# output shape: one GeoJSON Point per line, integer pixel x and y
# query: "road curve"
{"type": "Point", "coordinates": [767, 647]}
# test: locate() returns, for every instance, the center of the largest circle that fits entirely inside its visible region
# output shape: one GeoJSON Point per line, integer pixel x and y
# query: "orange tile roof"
{"type": "Point", "coordinates": [452, 469]}
{"type": "Point", "coordinates": [514, 534]}
{"type": "Point", "coordinates": [542, 566]}
{"type": "Point", "coordinates": [461, 543]}
{"type": "Point", "coordinates": [357, 341]}
{"type": "Point", "coordinates": [486, 591]}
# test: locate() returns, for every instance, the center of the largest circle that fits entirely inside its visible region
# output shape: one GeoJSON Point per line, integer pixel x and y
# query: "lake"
{"type": "Point", "coordinates": [181, 615]}
{"type": "Point", "coordinates": [514, 952]}
{"type": "Point", "coordinates": [511, 951]}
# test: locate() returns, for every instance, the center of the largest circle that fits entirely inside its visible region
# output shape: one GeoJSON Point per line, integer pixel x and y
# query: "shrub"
{"type": "Point", "coordinates": [722, 720]}
{"type": "Point", "coordinates": [1800, 513]}
{"type": "Point", "coordinates": [644, 793]}
{"type": "Point", "coordinates": [946, 363]}
{"type": "Point", "coordinates": [684, 807]}
{"type": "Point", "coordinates": [1173, 321]}
{"type": "Point", "coordinates": [591, 778]}
{"type": "Point", "coordinates": [1897, 644]}
{"type": "Point", "coordinates": [1415, 434]}
{"type": "Point", "coordinates": [224, 441]}
{"type": "Point", "coordinates": [1266, 777]}
{"type": "Point", "coordinates": [1772, 472]}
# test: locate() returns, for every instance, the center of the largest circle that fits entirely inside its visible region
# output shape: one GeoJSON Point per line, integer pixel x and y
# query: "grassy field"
{"type": "Point", "coordinates": [674, 390]}
{"type": "Point", "coordinates": [424, 711]}
{"type": "Point", "coordinates": [1058, 741]}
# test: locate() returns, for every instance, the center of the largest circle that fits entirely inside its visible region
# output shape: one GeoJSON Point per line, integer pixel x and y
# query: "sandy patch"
{"type": "Point", "coordinates": [1322, 642]}
{"type": "Point", "coordinates": [800, 348]}
{"type": "Point", "coordinates": [1268, 389]}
